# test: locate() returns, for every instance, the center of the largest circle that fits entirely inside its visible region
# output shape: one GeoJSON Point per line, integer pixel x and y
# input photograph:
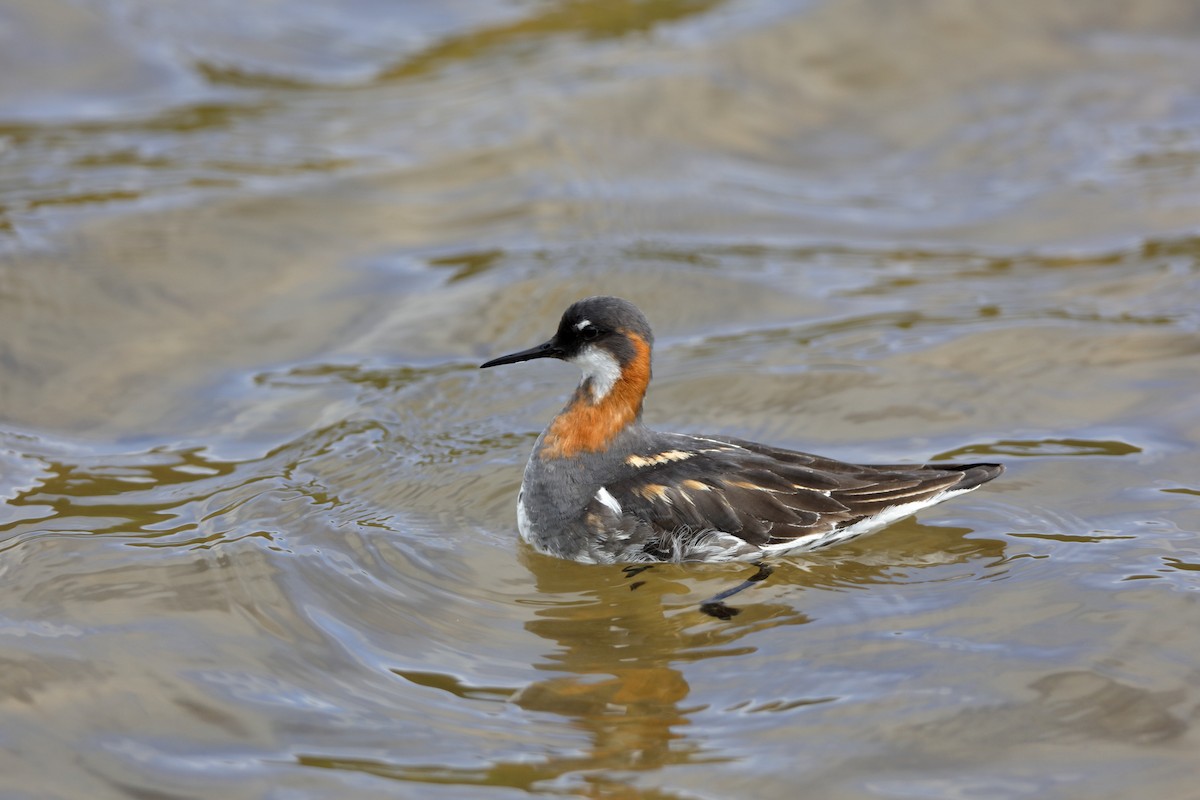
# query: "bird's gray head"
{"type": "Point", "coordinates": [604, 336]}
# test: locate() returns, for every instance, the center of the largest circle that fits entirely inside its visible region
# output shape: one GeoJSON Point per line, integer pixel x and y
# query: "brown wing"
{"type": "Point", "coordinates": [768, 496]}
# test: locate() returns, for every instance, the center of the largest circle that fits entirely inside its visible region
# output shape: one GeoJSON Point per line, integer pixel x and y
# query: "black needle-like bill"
{"type": "Point", "coordinates": [548, 349]}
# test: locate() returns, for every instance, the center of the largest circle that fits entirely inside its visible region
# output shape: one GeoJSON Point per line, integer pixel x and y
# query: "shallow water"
{"type": "Point", "coordinates": [258, 537]}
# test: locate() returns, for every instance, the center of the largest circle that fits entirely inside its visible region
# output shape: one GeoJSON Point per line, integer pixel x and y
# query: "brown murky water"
{"type": "Point", "coordinates": [258, 537]}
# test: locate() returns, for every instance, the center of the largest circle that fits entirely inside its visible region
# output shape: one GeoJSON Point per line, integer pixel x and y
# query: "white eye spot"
{"type": "Point", "coordinates": [581, 325]}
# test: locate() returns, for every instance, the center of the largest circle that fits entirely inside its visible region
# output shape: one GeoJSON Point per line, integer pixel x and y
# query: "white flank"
{"type": "Point", "coordinates": [603, 369]}
{"type": "Point", "coordinates": [605, 497]}
{"type": "Point", "coordinates": [861, 528]}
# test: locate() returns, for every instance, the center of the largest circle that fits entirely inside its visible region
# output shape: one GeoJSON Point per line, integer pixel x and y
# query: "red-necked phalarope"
{"type": "Point", "coordinates": [601, 487]}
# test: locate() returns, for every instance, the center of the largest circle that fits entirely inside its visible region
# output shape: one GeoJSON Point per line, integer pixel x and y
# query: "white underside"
{"type": "Point", "coordinates": [861, 528]}
{"type": "Point", "coordinates": [523, 518]}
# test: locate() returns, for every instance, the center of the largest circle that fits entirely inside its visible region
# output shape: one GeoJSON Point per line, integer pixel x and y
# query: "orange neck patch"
{"type": "Point", "coordinates": [587, 426]}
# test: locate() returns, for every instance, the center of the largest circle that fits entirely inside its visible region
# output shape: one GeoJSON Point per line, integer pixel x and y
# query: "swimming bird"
{"type": "Point", "coordinates": [601, 487]}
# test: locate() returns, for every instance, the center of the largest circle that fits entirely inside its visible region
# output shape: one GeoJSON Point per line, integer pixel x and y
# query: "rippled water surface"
{"type": "Point", "coordinates": [258, 532]}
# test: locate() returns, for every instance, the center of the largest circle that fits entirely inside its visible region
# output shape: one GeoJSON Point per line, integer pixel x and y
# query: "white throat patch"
{"type": "Point", "coordinates": [603, 369]}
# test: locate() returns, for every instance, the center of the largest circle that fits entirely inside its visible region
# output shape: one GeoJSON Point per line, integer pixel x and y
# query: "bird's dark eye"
{"type": "Point", "coordinates": [590, 332]}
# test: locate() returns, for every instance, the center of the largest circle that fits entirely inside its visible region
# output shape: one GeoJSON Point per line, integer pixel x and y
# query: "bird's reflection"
{"type": "Point", "coordinates": [617, 646]}
{"type": "Point", "coordinates": [623, 637]}
{"type": "Point", "coordinates": [621, 642]}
